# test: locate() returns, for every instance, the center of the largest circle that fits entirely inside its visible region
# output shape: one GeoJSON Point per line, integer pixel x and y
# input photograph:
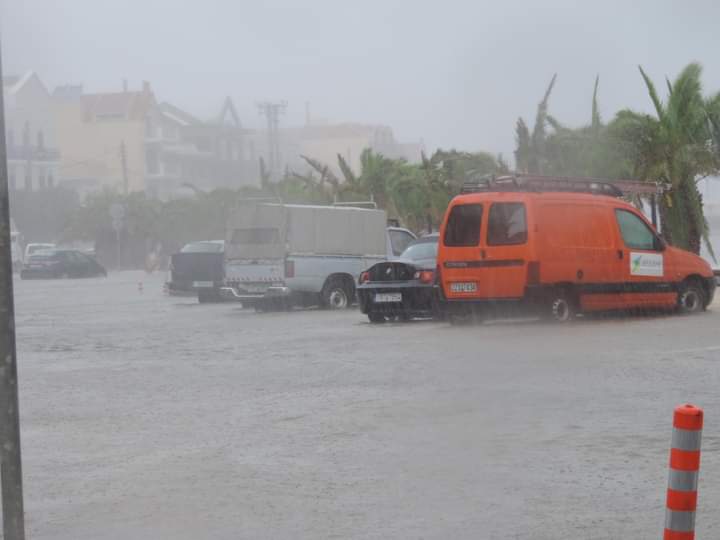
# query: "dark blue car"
{"type": "Point", "coordinates": [61, 263]}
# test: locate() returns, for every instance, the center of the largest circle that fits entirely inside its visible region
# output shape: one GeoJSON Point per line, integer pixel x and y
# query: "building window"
{"type": "Point", "coordinates": [50, 180]}
{"type": "Point", "coordinates": [12, 178]}
{"type": "Point", "coordinates": [28, 181]}
{"type": "Point", "coordinates": [171, 166]}
{"type": "Point", "coordinates": [40, 140]}
{"type": "Point", "coordinates": [41, 178]}
{"type": "Point", "coordinates": [11, 138]}
{"type": "Point", "coordinates": [151, 161]}
{"type": "Point", "coordinates": [26, 135]}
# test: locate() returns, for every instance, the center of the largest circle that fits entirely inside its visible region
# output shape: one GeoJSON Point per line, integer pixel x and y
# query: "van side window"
{"type": "Point", "coordinates": [635, 233]}
{"type": "Point", "coordinates": [507, 224]}
{"type": "Point", "coordinates": [463, 225]}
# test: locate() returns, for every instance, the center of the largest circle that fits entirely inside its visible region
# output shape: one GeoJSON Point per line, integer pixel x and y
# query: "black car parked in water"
{"type": "Point", "coordinates": [402, 288]}
{"type": "Point", "coordinates": [199, 268]}
{"type": "Point", "coordinates": [61, 263]}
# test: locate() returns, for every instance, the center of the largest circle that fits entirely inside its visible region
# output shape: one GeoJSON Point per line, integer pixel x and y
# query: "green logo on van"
{"type": "Point", "coordinates": [636, 263]}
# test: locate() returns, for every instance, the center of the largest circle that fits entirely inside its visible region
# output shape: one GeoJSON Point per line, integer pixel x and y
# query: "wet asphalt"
{"type": "Point", "coordinates": [149, 417]}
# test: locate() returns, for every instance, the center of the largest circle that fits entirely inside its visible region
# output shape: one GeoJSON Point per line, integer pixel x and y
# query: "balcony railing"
{"type": "Point", "coordinates": [32, 153]}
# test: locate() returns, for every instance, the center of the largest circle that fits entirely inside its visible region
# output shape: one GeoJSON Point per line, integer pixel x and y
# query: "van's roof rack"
{"type": "Point", "coordinates": [538, 183]}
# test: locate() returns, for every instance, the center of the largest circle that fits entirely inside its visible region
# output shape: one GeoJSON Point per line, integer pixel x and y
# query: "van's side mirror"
{"type": "Point", "coordinates": [660, 244]}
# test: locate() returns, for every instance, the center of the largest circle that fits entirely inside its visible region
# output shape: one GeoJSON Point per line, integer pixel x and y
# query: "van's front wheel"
{"type": "Point", "coordinates": [691, 297]}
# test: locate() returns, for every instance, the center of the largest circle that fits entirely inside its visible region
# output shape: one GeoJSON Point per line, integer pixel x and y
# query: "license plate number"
{"type": "Point", "coordinates": [388, 297]}
{"type": "Point", "coordinates": [203, 284]}
{"type": "Point", "coordinates": [463, 287]}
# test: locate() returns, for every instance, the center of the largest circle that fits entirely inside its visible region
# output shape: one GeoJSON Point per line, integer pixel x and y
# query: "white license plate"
{"type": "Point", "coordinates": [463, 287]}
{"type": "Point", "coordinates": [388, 297]}
{"type": "Point", "coordinates": [203, 284]}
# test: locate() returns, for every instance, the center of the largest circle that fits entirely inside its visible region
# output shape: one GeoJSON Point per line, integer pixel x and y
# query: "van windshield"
{"type": "Point", "coordinates": [463, 225]}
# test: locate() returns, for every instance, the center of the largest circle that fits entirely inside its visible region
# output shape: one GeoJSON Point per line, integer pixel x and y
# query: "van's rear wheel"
{"type": "Point", "coordinates": [691, 297]}
{"type": "Point", "coordinates": [562, 307]}
{"type": "Point", "coordinates": [336, 294]}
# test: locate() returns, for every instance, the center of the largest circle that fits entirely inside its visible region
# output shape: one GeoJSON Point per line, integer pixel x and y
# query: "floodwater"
{"type": "Point", "coordinates": [151, 417]}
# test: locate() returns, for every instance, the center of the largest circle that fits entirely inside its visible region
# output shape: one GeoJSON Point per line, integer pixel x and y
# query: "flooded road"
{"type": "Point", "coordinates": [150, 417]}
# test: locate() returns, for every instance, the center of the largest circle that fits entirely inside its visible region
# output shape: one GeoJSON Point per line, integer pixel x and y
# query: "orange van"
{"type": "Point", "coordinates": [560, 246]}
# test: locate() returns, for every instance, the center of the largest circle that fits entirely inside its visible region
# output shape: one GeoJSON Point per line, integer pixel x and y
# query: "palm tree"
{"type": "Point", "coordinates": [675, 146]}
{"type": "Point", "coordinates": [530, 153]}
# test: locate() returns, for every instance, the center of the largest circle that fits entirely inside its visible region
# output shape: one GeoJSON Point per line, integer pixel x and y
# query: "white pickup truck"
{"type": "Point", "coordinates": [281, 255]}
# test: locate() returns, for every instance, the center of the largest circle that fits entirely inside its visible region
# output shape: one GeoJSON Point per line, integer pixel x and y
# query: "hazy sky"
{"type": "Point", "coordinates": [453, 73]}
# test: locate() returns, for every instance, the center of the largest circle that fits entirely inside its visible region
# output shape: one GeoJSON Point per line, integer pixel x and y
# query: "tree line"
{"type": "Point", "coordinates": [677, 146]}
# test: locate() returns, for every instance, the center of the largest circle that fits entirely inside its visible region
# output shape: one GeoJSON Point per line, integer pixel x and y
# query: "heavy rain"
{"type": "Point", "coordinates": [406, 270]}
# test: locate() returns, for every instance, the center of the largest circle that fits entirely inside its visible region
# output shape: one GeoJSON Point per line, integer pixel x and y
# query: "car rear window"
{"type": "Point", "coordinates": [507, 224]}
{"type": "Point", "coordinates": [44, 255]}
{"type": "Point", "coordinates": [421, 250]}
{"type": "Point", "coordinates": [463, 225]}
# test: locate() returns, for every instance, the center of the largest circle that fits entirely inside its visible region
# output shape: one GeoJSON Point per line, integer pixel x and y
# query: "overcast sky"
{"type": "Point", "coordinates": [452, 73]}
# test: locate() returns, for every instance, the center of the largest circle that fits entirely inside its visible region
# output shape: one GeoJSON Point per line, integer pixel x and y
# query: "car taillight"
{"type": "Point", "coordinates": [364, 277]}
{"type": "Point", "coordinates": [425, 276]}
{"type": "Point", "coordinates": [289, 269]}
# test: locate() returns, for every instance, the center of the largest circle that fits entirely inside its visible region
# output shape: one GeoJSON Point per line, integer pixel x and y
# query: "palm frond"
{"type": "Point", "coordinates": [542, 111]}
{"type": "Point", "coordinates": [347, 172]}
{"type": "Point", "coordinates": [555, 124]}
{"type": "Point", "coordinates": [653, 93]}
{"type": "Point", "coordinates": [326, 175]}
{"type": "Point", "coordinates": [596, 121]}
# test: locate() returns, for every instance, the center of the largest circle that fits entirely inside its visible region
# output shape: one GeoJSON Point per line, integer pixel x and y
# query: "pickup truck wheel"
{"type": "Point", "coordinates": [335, 295]}
{"type": "Point", "coordinates": [691, 297]}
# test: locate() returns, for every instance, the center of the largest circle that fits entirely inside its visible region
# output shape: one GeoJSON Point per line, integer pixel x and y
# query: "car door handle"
{"type": "Point", "coordinates": [620, 253]}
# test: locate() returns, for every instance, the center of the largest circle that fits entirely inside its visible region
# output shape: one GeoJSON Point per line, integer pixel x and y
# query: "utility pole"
{"type": "Point", "coordinates": [272, 111]}
{"type": "Point", "coordinates": [123, 163]}
{"type": "Point", "coordinates": [27, 145]}
{"type": "Point", "coordinates": [10, 458]}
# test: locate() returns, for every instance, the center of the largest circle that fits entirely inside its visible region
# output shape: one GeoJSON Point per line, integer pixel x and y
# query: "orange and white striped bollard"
{"type": "Point", "coordinates": [684, 469]}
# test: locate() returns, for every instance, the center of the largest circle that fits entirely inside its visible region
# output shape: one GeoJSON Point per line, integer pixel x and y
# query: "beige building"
{"type": "Point", "coordinates": [325, 142]}
{"type": "Point", "coordinates": [128, 142]}
{"type": "Point", "coordinates": [103, 137]}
